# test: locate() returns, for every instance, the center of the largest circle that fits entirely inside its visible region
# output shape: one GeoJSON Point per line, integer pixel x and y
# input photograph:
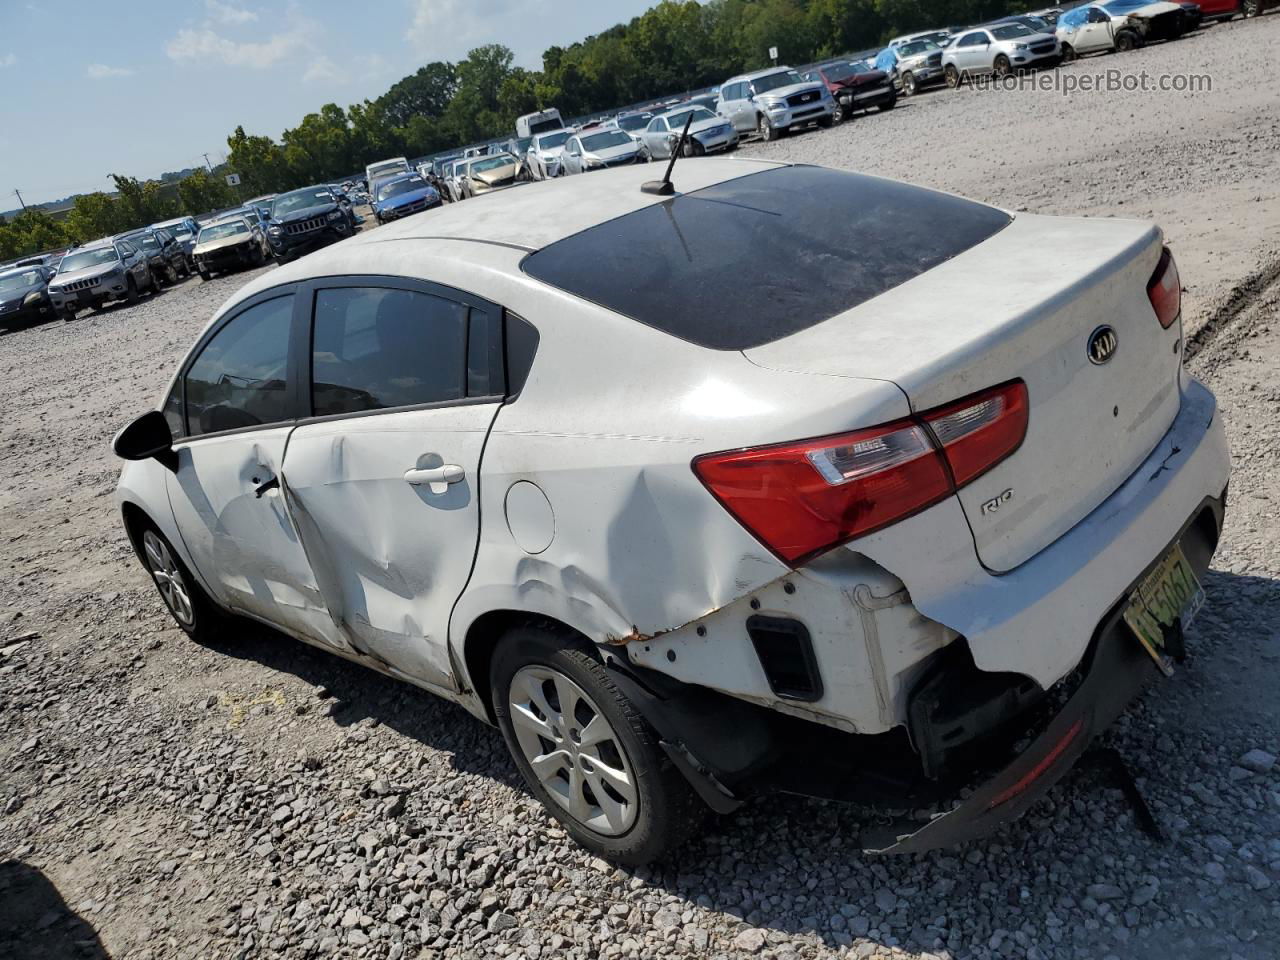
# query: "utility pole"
{"type": "Point", "coordinates": [21, 201]}
{"type": "Point", "coordinates": [207, 163]}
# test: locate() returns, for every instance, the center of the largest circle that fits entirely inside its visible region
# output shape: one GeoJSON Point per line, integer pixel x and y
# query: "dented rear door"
{"type": "Point", "coordinates": [382, 481]}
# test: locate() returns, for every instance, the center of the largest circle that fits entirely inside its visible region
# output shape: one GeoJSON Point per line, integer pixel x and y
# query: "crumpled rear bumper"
{"type": "Point", "coordinates": [1115, 671]}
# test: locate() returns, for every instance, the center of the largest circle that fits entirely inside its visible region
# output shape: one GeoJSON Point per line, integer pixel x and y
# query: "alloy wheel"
{"type": "Point", "coordinates": [168, 578]}
{"type": "Point", "coordinates": [573, 750]}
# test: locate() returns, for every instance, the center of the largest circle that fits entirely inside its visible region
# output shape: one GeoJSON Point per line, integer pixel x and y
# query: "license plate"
{"type": "Point", "coordinates": [1168, 597]}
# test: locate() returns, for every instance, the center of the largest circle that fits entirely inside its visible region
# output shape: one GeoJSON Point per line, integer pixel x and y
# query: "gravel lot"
{"type": "Point", "coordinates": [259, 799]}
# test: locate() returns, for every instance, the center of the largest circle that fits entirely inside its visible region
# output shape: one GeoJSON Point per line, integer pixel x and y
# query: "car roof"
{"type": "Point", "coordinates": [756, 74]}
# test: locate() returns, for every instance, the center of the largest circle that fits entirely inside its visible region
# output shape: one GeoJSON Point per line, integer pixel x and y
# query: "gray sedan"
{"type": "Point", "coordinates": [708, 133]}
{"type": "Point", "coordinates": [597, 150]}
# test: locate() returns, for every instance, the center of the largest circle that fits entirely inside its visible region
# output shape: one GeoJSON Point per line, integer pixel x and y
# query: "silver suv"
{"type": "Point", "coordinates": [1000, 49]}
{"type": "Point", "coordinates": [98, 272]}
{"type": "Point", "coordinates": [773, 101]}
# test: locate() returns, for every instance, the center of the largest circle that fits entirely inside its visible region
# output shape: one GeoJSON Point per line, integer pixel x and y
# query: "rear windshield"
{"type": "Point", "coordinates": [756, 259]}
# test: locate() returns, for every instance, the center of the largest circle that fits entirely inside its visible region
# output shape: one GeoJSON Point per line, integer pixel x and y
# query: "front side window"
{"type": "Point", "coordinates": [239, 378]}
{"type": "Point", "coordinates": [378, 347]}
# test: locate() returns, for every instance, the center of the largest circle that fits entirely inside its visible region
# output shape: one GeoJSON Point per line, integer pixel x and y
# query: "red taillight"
{"type": "Point", "coordinates": [979, 431]}
{"type": "Point", "coordinates": [801, 499]}
{"type": "Point", "coordinates": [1165, 290]}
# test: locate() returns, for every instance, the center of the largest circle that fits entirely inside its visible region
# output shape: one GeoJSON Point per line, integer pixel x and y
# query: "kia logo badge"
{"type": "Point", "coordinates": [1102, 345]}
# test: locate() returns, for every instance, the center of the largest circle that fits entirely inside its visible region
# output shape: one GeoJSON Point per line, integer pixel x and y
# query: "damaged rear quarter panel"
{"type": "Point", "coordinates": [640, 547]}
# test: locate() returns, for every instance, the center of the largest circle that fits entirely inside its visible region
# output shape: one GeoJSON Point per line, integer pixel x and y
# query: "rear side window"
{"type": "Point", "coordinates": [379, 347]}
{"type": "Point", "coordinates": [239, 378]}
{"type": "Point", "coordinates": [752, 260]}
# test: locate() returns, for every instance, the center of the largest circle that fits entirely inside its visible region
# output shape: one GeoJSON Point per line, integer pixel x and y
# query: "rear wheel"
{"type": "Point", "coordinates": [1250, 9]}
{"type": "Point", "coordinates": [584, 750]}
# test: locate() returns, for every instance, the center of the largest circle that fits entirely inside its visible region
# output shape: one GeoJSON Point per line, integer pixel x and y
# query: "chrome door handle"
{"type": "Point", "coordinates": [436, 478]}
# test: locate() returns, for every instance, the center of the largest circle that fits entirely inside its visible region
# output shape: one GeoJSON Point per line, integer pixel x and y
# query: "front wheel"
{"type": "Point", "coordinates": [1002, 66]}
{"type": "Point", "coordinates": [187, 603]}
{"type": "Point", "coordinates": [953, 76]}
{"type": "Point", "coordinates": [1069, 54]}
{"type": "Point", "coordinates": [1126, 41]}
{"type": "Point", "coordinates": [909, 84]}
{"type": "Point", "coordinates": [131, 294]}
{"type": "Point", "coordinates": [206, 276]}
{"type": "Point", "coordinates": [1250, 9]}
{"type": "Point", "coordinates": [585, 751]}
{"type": "Point", "coordinates": [766, 129]}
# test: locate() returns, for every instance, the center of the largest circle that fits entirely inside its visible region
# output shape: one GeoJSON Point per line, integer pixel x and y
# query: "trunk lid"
{"type": "Point", "coordinates": [1023, 304]}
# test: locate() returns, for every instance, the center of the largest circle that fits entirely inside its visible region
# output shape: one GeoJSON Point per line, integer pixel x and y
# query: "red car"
{"type": "Point", "coordinates": [855, 86]}
{"type": "Point", "coordinates": [1226, 9]}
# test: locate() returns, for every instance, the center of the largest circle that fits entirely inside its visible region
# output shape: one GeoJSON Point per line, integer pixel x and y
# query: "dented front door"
{"type": "Point", "coordinates": [387, 509]}
{"type": "Point", "coordinates": [228, 505]}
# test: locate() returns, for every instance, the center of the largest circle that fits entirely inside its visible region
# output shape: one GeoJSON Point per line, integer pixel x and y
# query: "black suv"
{"type": "Point", "coordinates": [307, 219]}
{"type": "Point", "coordinates": [166, 256]}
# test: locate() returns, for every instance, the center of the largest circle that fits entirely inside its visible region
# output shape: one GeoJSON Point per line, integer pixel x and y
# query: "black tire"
{"type": "Point", "coordinates": [1002, 66]}
{"type": "Point", "coordinates": [889, 104]}
{"type": "Point", "coordinates": [766, 129]}
{"type": "Point", "coordinates": [666, 811]}
{"type": "Point", "coordinates": [829, 120]}
{"type": "Point", "coordinates": [840, 115]}
{"type": "Point", "coordinates": [909, 84]}
{"type": "Point", "coordinates": [206, 276]}
{"type": "Point", "coordinates": [1250, 9]}
{"type": "Point", "coordinates": [131, 293]}
{"type": "Point", "coordinates": [205, 618]}
{"type": "Point", "coordinates": [952, 75]}
{"type": "Point", "coordinates": [1126, 41]}
{"type": "Point", "coordinates": [1069, 54]}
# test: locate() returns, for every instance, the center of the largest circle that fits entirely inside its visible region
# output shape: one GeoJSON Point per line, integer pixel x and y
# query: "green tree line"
{"type": "Point", "coordinates": [676, 46]}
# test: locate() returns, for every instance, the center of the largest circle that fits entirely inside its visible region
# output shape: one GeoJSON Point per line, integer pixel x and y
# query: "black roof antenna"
{"type": "Point", "coordinates": [664, 187]}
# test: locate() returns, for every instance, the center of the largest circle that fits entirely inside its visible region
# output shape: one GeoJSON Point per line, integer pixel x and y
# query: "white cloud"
{"type": "Point", "coordinates": [100, 71]}
{"type": "Point", "coordinates": [227, 13]}
{"type": "Point", "coordinates": [205, 44]}
{"type": "Point", "coordinates": [323, 70]}
{"type": "Point", "coordinates": [8, 60]}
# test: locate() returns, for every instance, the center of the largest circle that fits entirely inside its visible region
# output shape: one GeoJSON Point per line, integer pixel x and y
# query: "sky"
{"type": "Point", "coordinates": [139, 87]}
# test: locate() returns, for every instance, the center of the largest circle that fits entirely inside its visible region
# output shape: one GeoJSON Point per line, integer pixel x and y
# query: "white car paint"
{"type": "Point", "coordinates": [1093, 28]}
{"type": "Point", "coordinates": [544, 158]}
{"type": "Point", "coordinates": [619, 540]}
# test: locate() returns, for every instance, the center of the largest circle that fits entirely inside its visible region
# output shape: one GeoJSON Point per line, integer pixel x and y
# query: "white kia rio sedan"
{"type": "Point", "coordinates": [795, 479]}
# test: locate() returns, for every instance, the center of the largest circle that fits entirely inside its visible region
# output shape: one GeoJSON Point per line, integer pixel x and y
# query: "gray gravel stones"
{"type": "Point", "coordinates": [1258, 761]}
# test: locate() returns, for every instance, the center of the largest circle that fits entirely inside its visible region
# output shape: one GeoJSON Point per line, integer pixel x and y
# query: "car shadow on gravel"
{"type": "Point", "coordinates": [37, 924]}
{"type": "Point", "coordinates": [353, 695]}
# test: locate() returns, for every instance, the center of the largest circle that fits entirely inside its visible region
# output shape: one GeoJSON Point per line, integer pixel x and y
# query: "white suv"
{"type": "Point", "coordinates": [686, 535]}
{"type": "Point", "coordinates": [773, 101]}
